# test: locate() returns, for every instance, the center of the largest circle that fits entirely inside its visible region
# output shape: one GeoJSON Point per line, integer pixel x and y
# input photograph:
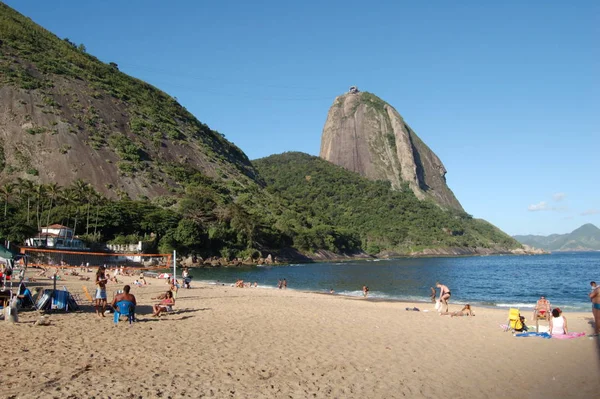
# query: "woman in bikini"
{"type": "Point", "coordinates": [165, 305]}
{"type": "Point", "coordinates": [444, 295]}
{"type": "Point", "coordinates": [465, 311]}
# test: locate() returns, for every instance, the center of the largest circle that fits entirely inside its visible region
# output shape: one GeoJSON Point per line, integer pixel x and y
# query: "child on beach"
{"type": "Point", "coordinates": [365, 291]}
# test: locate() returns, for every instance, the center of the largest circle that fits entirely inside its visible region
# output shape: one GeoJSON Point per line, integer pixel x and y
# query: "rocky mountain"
{"type": "Point", "coordinates": [585, 238]}
{"type": "Point", "coordinates": [364, 134]}
{"type": "Point", "coordinates": [65, 115]}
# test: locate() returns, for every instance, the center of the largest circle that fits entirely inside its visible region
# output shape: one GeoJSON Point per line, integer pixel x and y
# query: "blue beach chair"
{"type": "Point", "coordinates": [124, 308]}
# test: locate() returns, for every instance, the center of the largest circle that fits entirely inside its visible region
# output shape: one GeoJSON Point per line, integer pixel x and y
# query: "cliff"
{"type": "Point", "coordinates": [366, 135]}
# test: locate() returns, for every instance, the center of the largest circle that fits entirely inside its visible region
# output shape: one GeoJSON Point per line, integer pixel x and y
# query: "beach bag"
{"type": "Point", "coordinates": [438, 305]}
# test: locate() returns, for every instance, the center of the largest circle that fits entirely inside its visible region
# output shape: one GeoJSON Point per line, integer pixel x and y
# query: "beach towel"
{"type": "Point", "coordinates": [534, 334]}
{"type": "Point", "coordinates": [569, 335]}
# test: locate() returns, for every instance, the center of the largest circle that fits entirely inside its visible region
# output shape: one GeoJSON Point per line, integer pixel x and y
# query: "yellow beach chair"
{"type": "Point", "coordinates": [515, 321]}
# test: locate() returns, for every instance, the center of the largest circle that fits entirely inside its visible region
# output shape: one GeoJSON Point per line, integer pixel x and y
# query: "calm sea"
{"type": "Point", "coordinates": [501, 281]}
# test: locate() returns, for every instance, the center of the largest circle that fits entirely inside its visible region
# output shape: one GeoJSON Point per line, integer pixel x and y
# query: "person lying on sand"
{"type": "Point", "coordinates": [465, 311]}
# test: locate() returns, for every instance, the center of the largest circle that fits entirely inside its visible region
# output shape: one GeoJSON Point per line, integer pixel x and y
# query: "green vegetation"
{"type": "Point", "coordinates": [370, 212]}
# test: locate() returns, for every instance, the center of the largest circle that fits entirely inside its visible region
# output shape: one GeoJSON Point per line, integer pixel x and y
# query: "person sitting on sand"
{"type": "Point", "coordinates": [542, 308]}
{"type": "Point", "coordinates": [465, 311]}
{"type": "Point", "coordinates": [165, 305]}
{"type": "Point", "coordinates": [558, 323]}
{"type": "Point", "coordinates": [124, 296]}
{"type": "Point", "coordinates": [444, 295]}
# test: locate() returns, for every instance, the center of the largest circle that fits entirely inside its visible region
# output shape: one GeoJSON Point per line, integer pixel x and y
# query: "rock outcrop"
{"type": "Point", "coordinates": [366, 135]}
{"type": "Point", "coordinates": [65, 115]}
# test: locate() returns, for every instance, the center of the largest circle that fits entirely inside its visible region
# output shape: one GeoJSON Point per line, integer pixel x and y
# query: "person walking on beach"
{"type": "Point", "coordinates": [365, 291]}
{"type": "Point", "coordinates": [432, 295]}
{"type": "Point", "coordinates": [595, 298]}
{"type": "Point", "coordinates": [444, 295]}
{"type": "Point", "coordinates": [284, 284]}
{"type": "Point", "coordinates": [100, 290]}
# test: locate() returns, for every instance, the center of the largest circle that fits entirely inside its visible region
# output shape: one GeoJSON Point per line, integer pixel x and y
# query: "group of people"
{"type": "Point", "coordinates": [100, 304]}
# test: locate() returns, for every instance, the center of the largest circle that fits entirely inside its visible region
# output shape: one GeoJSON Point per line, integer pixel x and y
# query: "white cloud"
{"type": "Point", "coordinates": [541, 206]}
{"type": "Point", "coordinates": [559, 196]}
{"type": "Point", "coordinates": [590, 212]}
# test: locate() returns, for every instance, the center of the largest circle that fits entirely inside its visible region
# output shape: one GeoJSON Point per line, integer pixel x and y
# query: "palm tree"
{"type": "Point", "coordinates": [6, 190]}
{"type": "Point", "coordinates": [69, 198]}
{"type": "Point", "coordinates": [98, 201]}
{"type": "Point", "coordinates": [39, 193]}
{"type": "Point", "coordinates": [80, 188]}
{"type": "Point", "coordinates": [53, 191]}
{"type": "Point", "coordinates": [28, 188]}
{"type": "Point", "coordinates": [90, 196]}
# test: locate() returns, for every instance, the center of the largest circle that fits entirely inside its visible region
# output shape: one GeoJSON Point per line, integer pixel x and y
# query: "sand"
{"type": "Point", "coordinates": [226, 342]}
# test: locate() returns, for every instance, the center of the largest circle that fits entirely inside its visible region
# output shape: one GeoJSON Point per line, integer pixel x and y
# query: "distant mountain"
{"type": "Point", "coordinates": [585, 238]}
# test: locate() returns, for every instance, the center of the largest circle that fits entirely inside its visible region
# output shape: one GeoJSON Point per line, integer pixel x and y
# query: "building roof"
{"type": "Point", "coordinates": [57, 226]}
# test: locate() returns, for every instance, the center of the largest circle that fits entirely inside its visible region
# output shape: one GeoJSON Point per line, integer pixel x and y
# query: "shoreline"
{"type": "Point", "coordinates": [526, 307]}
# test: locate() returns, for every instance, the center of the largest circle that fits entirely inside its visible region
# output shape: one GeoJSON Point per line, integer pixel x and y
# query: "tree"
{"type": "Point", "coordinates": [6, 190]}
{"type": "Point", "coordinates": [39, 193]}
{"type": "Point", "coordinates": [53, 191]}
{"type": "Point", "coordinates": [27, 188]}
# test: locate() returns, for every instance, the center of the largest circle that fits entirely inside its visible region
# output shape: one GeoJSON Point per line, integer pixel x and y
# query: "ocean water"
{"type": "Point", "coordinates": [494, 281]}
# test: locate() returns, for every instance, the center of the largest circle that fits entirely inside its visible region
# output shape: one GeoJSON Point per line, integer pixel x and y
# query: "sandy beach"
{"type": "Point", "coordinates": [227, 342]}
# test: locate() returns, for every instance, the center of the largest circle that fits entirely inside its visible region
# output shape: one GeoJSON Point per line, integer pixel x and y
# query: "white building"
{"type": "Point", "coordinates": [56, 236]}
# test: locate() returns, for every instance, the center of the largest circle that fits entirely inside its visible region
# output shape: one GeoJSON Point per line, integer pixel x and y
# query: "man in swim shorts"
{"type": "Point", "coordinates": [542, 308]}
{"type": "Point", "coordinates": [595, 298]}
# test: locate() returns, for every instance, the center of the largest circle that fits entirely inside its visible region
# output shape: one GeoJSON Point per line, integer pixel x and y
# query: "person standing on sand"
{"type": "Point", "coordinates": [595, 298]}
{"type": "Point", "coordinates": [444, 295]}
{"type": "Point", "coordinates": [432, 295]}
{"type": "Point", "coordinates": [284, 284]}
{"type": "Point", "coordinates": [365, 291]}
{"type": "Point", "coordinates": [100, 290]}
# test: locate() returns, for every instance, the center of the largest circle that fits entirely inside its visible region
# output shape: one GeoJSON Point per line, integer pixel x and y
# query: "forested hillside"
{"type": "Point", "coordinates": [380, 218]}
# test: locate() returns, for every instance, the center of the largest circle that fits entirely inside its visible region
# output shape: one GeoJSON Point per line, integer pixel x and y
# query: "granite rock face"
{"type": "Point", "coordinates": [366, 135]}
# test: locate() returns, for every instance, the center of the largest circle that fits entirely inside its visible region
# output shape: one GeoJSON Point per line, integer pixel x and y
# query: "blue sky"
{"type": "Point", "coordinates": [505, 93]}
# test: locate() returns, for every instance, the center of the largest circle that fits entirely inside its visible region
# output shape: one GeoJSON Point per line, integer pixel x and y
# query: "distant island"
{"type": "Point", "coordinates": [585, 238]}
